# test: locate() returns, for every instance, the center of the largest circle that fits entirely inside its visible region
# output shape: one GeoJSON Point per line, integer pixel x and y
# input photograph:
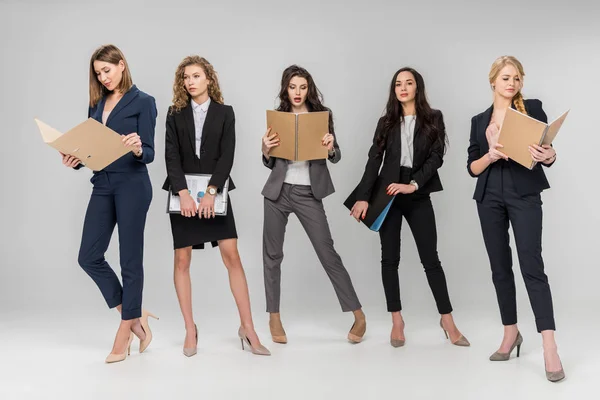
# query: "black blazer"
{"type": "Point", "coordinates": [216, 149]}
{"type": "Point", "coordinates": [427, 158]}
{"type": "Point", "coordinates": [526, 181]}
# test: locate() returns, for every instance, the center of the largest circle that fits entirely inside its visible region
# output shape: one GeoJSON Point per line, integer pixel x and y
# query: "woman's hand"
{"type": "Point", "coordinates": [206, 208]}
{"type": "Point", "coordinates": [328, 141]}
{"type": "Point", "coordinates": [187, 204]}
{"type": "Point", "coordinates": [133, 140]}
{"type": "Point", "coordinates": [491, 134]}
{"type": "Point", "coordinates": [544, 154]}
{"type": "Point", "coordinates": [494, 154]}
{"type": "Point", "coordinates": [70, 161]}
{"type": "Point", "coordinates": [400, 188]}
{"type": "Point", "coordinates": [268, 142]}
{"type": "Point", "coordinates": [359, 210]}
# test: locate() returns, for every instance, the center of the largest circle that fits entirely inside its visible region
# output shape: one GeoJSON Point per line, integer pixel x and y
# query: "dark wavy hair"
{"type": "Point", "coordinates": [314, 97]}
{"type": "Point", "coordinates": [394, 114]}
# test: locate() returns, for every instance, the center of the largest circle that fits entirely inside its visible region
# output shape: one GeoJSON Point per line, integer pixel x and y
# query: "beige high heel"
{"type": "Point", "coordinates": [113, 358]}
{"type": "Point", "coordinates": [556, 375]}
{"type": "Point", "coordinates": [144, 321]}
{"type": "Point", "coordinates": [275, 326]}
{"type": "Point", "coordinates": [497, 356]}
{"type": "Point", "coordinates": [191, 351]}
{"type": "Point", "coordinates": [358, 329]}
{"type": "Point", "coordinates": [259, 351]}
{"type": "Point", "coordinates": [462, 341]}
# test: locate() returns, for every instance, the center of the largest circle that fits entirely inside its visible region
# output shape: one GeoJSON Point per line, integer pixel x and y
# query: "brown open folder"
{"type": "Point", "coordinates": [91, 142]}
{"type": "Point", "coordinates": [300, 135]}
{"type": "Point", "coordinates": [519, 131]}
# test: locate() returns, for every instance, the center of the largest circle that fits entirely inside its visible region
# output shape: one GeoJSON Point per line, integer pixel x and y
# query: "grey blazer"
{"type": "Point", "coordinates": [320, 180]}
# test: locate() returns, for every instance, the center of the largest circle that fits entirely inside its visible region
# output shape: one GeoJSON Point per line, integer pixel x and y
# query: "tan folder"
{"type": "Point", "coordinates": [300, 135]}
{"type": "Point", "coordinates": [519, 131]}
{"type": "Point", "coordinates": [91, 142]}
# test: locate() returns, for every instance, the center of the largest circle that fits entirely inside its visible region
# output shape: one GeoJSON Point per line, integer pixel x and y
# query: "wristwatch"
{"type": "Point", "coordinates": [211, 190]}
{"type": "Point", "coordinates": [414, 183]}
{"type": "Point", "coordinates": [140, 153]}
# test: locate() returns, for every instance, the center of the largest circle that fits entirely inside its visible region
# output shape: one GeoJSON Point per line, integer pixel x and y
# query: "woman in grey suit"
{"type": "Point", "coordinates": [299, 187]}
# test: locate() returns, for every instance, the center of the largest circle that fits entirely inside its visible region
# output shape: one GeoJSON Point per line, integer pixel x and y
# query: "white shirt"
{"type": "Point", "coordinates": [199, 111]}
{"type": "Point", "coordinates": [105, 115]}
{"type": "Point", "coordinates": [297, 173]}
{"type": "Point", "coordinates": [407, 135]}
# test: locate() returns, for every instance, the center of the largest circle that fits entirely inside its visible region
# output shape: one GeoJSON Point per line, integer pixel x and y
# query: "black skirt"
{"type": "Point", "coordinates": [196, 231]}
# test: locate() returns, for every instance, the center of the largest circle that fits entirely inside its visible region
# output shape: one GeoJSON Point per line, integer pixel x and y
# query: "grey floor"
{"type": "Point", "coordinates": [60, 356]}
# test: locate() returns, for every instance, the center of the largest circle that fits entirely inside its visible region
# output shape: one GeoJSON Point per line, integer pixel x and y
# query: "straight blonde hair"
{"type": "Point", "coordinates": [111, 54]}
{"type": "Point", "coordinates": [497, 66]}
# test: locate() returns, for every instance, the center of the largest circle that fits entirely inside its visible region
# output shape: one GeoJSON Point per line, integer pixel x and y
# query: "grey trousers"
{"type": "Point", "coordinates": [299, 199]}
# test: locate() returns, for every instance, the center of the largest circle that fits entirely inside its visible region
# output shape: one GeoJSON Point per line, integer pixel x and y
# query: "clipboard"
{"type": "Point", "coordinates": [94, 144]}
{"type": "Point", "coordinates": [197, 184]}
{"type": "Point", "coordinates": [299, 134]}
{"type": "Point", "coordinates": [519, 131]}
{"type": "Point", "coordinates": [379, 205]}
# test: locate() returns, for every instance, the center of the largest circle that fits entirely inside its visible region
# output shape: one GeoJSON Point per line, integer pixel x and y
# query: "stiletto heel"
{"type": "Point", "coordinates": [113, 358]}
{"type": "Point", "coordinates": [146, 328]}
{"type": "Point", "coordinates": [497, 356]}
{"type": "Point", "coordinates": [259, 350]}
{"type": "Point", "coordinates": [191, 351]}
{"type": "Point", "coordinates": [462, 341]}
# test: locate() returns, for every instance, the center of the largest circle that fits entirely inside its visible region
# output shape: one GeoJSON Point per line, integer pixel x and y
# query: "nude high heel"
{"type": "Point", "coordinates": [259, 350]}
{"type": "Point", "coordinates": [144, 321]}
{"type": "Point", "coordinates": [113, 358]}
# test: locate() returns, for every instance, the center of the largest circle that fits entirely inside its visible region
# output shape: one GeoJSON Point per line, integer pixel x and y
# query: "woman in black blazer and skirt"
{"type": "Point", "coordinates": [200, 139]}
{"type": "Point", "coordinates": [410, 141]}
{"type": "Point", "coordinates": [508, 193]}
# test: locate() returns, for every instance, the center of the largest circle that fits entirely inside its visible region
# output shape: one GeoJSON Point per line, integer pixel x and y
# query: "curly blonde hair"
{"type": "Point", "coordinates": [497, 66]}
{"type": "Point", "coordinates": [181, 97]}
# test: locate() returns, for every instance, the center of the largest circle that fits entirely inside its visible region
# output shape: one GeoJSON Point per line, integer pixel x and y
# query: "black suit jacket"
{"type": "Point", "coordinates": [526, 181]}
{"type": "Point", "coordinates": [216, 149]}
{"type": "Point", "coordinates": [427, 159]}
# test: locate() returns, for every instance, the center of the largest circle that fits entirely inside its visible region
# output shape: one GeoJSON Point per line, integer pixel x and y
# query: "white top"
{"type": "Point", "coordinates": [105, 115]}
{"type": "Point", "coordinates": [407, 135]}
{"type": "Point", "coordinates": [297, 173]}
{"type": "Point", "coordinates": [199, 112]}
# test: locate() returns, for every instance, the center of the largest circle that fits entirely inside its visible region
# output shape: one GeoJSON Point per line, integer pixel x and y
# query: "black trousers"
{"type": "Point", "coordinates": [418, 211]}
{"type": "Point", "coordinates": [120, 199]}
{"type": "Point", "coordinates": [500, 206]}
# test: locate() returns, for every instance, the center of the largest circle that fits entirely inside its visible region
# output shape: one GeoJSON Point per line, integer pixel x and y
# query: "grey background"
{"type": "Point", "coordinates": [352, 50]}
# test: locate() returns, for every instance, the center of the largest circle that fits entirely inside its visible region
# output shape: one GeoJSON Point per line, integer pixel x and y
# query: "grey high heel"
{"type": "Point", "coordinates": [462, 341]}
{"type": "Point", "coordinates": [191, 351]}
{"type": "Point", "coordinates": [497, 356]}
{"type": "Point", "coordinates": [259, 350]}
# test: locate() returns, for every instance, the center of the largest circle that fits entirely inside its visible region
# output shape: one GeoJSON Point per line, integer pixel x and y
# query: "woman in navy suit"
{"type": "Point", "coordinates": [121, 195]}
{"type": "Point", "coordinates": [508, 193]}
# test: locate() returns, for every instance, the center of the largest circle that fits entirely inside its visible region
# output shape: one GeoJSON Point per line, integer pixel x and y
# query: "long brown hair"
{"type": "Point", "coordinates": [111, 54]}
{"type": "Point", "coordinates": [181, 97]}
{"type": "Point", "coordinates": [314, 97]}
{"type": "Point", "coordinates": [497, 66]}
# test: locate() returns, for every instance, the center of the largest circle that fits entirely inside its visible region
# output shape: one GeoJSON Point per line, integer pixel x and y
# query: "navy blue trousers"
{"type": "Point", "coordinates": [120, 199]}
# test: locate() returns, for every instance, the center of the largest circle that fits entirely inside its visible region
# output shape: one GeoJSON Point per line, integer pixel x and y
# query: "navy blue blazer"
{"type": "Point", "coordinates": [526, 181]}
{"type": "Point", "coordinates": [135, 112]}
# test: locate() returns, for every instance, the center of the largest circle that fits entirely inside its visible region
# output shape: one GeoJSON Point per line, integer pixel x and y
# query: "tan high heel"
{"type": "Point", "coordinates": [144, 321]}
{"type": "Point", "coordinates": [398, 342]}
{"type": "Point", "coordinates": [359, 327]}
{"type": "Point", "coordinates": [259, 351]}
{"type": "Point", "coordinates": [555, 376]}
{"type": "Point", "coordinates": [191, 351]}
{"type": "Point", "coordinates": [497, 356]}
{"type": "Point", "coordinates": [275, 326]}
{"type": "Point", "coordinates": [462, 341]}
{"type": "Point", "coordinates": [113, 358]}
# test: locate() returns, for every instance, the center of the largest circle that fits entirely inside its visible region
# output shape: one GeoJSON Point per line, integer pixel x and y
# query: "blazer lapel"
{"type": "Point", "coordinates": [210, 116]}
{"type": "Point", "coordinates": [121, 104]}
{"type": "Point", "coordinates": [188, 116]}
{"type": "Point", "coordinates": [484, 121]}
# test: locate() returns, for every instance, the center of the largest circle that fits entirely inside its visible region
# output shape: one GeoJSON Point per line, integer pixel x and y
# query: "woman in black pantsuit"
{"type": "Point", "coordinates": [508, 193]}
{"type": "Point", "coordinates": [410, 141]}
{"type": "Point", "coordinates": [200, 138]}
